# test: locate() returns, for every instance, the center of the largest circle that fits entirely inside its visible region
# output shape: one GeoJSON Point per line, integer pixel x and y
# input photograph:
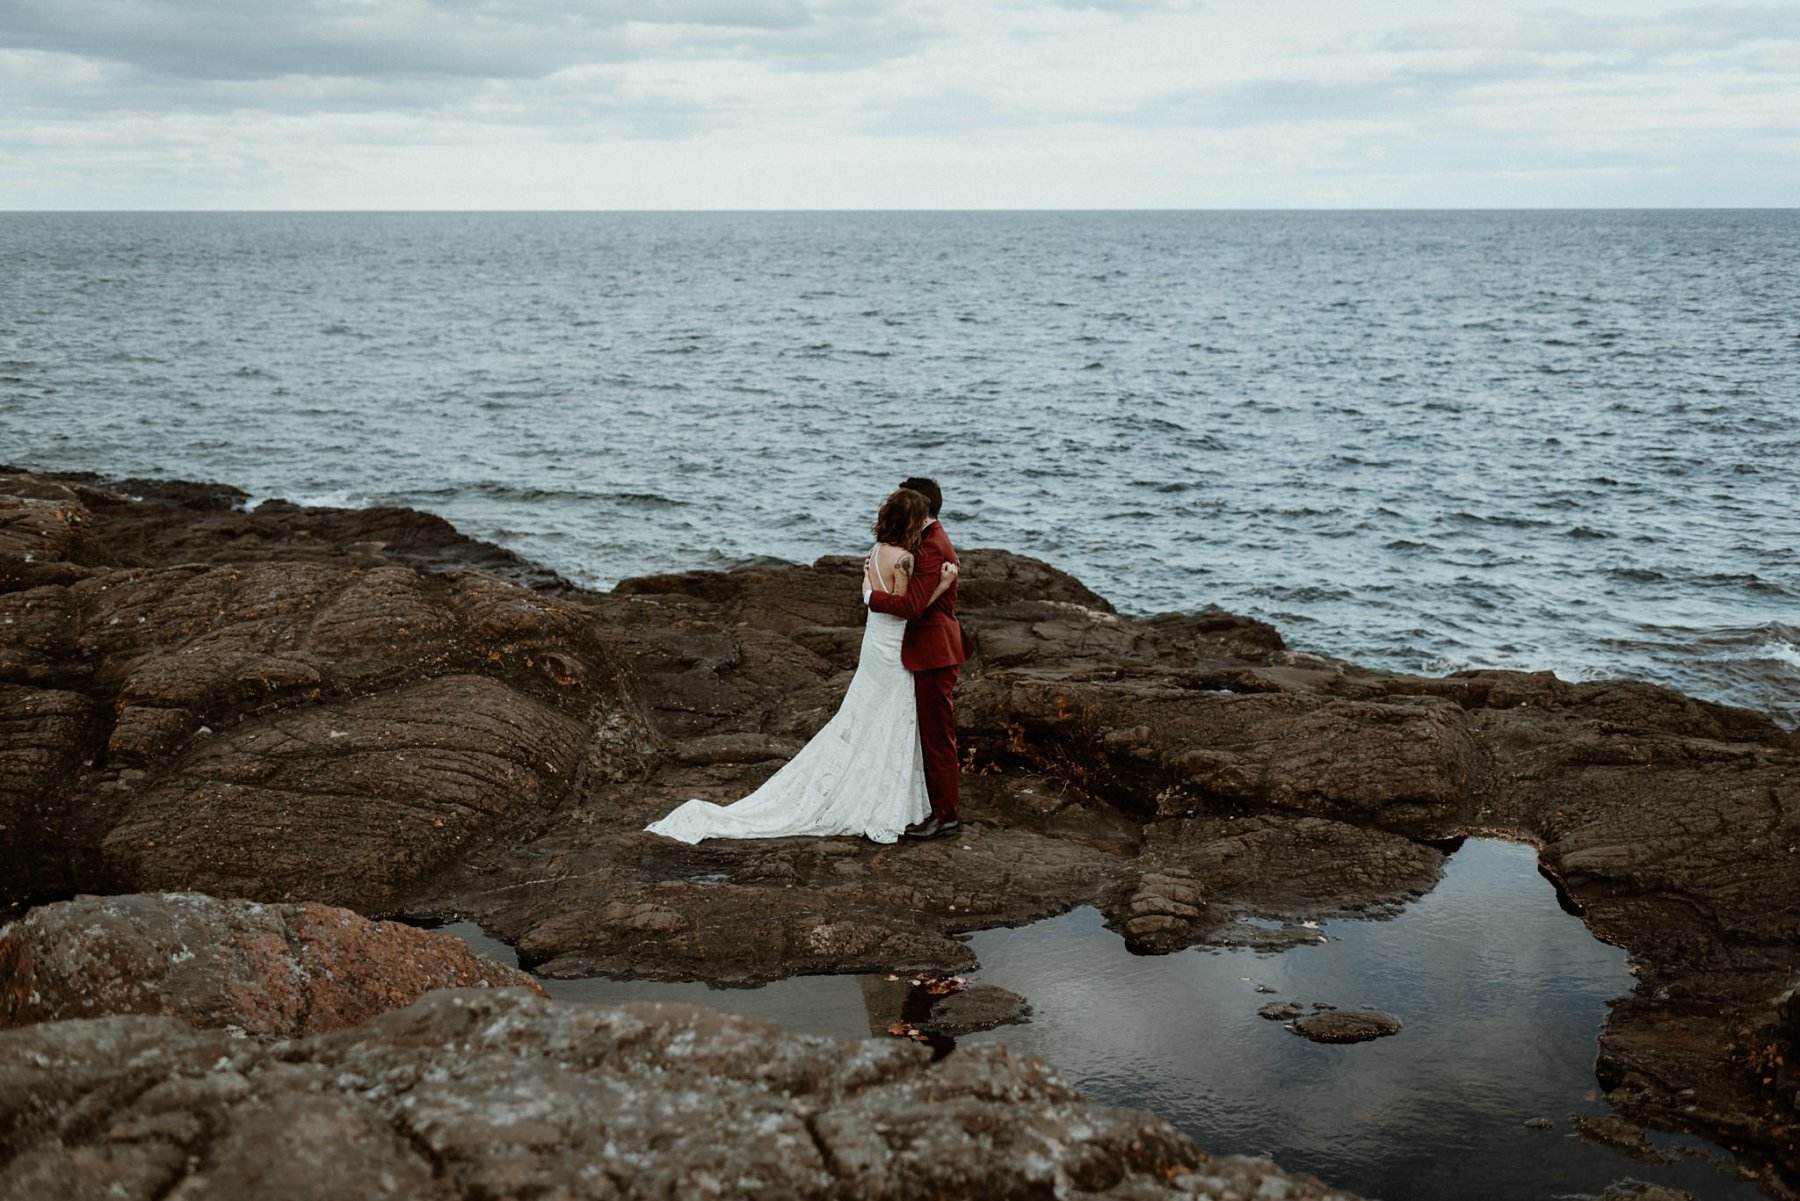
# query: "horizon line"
{"type": "Point", "coordinates": [1598, 208]}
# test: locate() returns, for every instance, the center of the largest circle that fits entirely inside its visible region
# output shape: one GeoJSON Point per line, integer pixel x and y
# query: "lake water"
{"type": "Point", "coordinates": [1500, 992]}
{"type": "Point", "coordinates": [1420, 440]}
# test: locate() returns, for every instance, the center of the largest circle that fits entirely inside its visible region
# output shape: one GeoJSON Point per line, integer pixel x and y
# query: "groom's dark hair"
{"type": "Point", "coordinates": [927, 488]}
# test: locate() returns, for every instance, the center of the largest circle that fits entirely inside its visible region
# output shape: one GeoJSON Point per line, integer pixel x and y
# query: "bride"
{"type": "Point", "coordinates": [864, 772]}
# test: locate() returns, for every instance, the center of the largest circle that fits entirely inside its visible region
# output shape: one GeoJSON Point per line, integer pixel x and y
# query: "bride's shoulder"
{"type": "Point", "coordinates": [891, 554]}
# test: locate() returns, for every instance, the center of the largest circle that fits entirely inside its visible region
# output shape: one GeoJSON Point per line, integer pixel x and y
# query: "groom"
{"type": "Point", "coordinates": [933, 649]}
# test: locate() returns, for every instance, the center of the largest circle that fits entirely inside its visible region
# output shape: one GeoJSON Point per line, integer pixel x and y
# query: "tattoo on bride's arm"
{"type": "Point", "coordinates": [914, 595]}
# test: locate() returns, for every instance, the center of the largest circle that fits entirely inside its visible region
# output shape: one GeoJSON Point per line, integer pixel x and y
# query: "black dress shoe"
{"type": "Point", "coordinates": [931, 827]}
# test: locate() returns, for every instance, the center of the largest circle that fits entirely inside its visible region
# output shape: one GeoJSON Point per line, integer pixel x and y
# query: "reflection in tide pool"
{"type": "Point", "coordinates": [1501, 994]}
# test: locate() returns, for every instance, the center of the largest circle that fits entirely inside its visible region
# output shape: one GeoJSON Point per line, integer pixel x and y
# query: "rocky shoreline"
{"type": "Point", "coordinates": [365, 709]}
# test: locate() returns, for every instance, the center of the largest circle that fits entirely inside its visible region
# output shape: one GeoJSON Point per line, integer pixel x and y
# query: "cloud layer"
{"type": "Point", "coordinates": [892, 103]}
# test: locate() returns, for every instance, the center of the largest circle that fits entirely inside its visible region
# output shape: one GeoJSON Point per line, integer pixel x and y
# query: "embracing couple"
{"type": "Point", "coordinates": [885, 765]}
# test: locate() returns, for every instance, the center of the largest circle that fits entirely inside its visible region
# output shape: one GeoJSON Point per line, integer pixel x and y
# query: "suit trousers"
{"type": "Point", "coordinates": [937, 737]}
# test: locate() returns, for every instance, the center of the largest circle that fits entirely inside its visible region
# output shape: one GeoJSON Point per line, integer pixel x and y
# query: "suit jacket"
{"type": "Point", "coordinates": [934, 638]}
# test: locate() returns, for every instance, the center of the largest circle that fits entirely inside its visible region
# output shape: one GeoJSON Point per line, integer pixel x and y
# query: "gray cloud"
{"type": "Point", "coordinates": [1412, 92]}
{"type": "Point", "coordinates": [64, 92]}
{"type": "Point", "coordinates": [1647, 34]}
{"type": "Point", "coordinates": [494, 39]}
{"type": "Point", "coordinates": [1424, 88]}
{"type": "Point", "coordinates": [836, 35]}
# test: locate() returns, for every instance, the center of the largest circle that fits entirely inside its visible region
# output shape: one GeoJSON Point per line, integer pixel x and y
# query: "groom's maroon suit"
{"type": "Point", "coordinates": [933, 649]}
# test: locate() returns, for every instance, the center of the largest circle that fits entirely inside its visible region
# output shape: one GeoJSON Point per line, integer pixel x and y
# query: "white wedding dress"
{"type": "Point", "coordinates": [864, 773]}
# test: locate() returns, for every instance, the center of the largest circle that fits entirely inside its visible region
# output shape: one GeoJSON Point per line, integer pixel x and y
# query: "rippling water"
{"type": "Point", "coordinates": [1420, 440]}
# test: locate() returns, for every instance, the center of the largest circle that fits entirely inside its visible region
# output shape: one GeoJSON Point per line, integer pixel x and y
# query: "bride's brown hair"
{"type": "Point", "coordinates": [902, 519]}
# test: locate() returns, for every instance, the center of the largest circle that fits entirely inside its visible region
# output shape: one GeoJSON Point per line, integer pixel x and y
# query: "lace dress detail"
{"type": "Point", "coordinates": [864, 773]}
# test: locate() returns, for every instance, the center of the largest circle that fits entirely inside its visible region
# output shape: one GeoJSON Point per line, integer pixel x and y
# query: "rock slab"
{"type": "Point", "coordinates": [491, 1094]}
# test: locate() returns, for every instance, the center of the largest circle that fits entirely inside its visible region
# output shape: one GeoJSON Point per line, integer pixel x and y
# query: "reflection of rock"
{"type": "Point", "coordinates": [285, 970]}
{"type": "Point", "coordinates": [332, 705]}
{"type": "Point", "coordinates": [1638, 1190]}
{"type": "Point", "coordinates": [1627, 1138]}
{"type": "Point", "coordinates": [502, 1094]}
{"type": "Point", "coordinates": [1280, 865]}
{"type": "Point", "coordinates": [1161, 911]}
{"type": "Point", "coordinates": [982, 1007]}
{"type": "Point", "coordinates": [1328, 1025]}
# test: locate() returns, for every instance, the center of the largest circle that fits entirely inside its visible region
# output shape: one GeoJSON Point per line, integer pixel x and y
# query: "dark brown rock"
{"type": "Point", "coordinates": [346, 803]}
{"type": "Point", "coordinates": [274, 970]}
{"type": "Point", "coordinates": [1161, 747]}
{"type": "Point", "coordinates": [47, 737]}
{"type": "Point", "coordinates": [145, 521]}
{"type": "Point", "coordinates": [278, 728]}
{"type": "Point", "coordinates": [982, 1007]}
{"type": "Point", "coordinates": [1329, 1025]}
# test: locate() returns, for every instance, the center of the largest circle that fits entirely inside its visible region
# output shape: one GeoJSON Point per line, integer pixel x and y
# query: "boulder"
{"type": "Point", "coordinates": [283, 971]}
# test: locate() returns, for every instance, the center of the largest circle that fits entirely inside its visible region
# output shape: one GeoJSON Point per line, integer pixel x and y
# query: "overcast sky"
{"type": "Point", "coordinates": [582, 104]}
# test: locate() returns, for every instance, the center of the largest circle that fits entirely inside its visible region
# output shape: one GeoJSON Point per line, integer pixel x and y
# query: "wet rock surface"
{"type": "Point", "coordinates": [1327, 1024]}
{"type": "Point", "coordinates": [280, 709]}
{"type": "Point", "coordinates": [982, 1007]}
{"type": "Point", "coordinates": [488, 1094]}
{"type": "Point", "coordinates": [273, 970]}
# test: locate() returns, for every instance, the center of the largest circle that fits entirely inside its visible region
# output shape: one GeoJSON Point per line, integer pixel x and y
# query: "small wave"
{"type": "Point", "coordinates": [1779, 650]}
{"type": "Point", "coordinates": [1749, 581]}
{"type": "Point", "coordinates": [337, 498]}
{"type": "Point", "coordinates": [647, 500]}
{"type": "Point", "coordinates": [1520, 523]}
{"type": "Point", "coordinates": [1155, 423]}
{"type": "Point", "coordinates": [1584, 531]}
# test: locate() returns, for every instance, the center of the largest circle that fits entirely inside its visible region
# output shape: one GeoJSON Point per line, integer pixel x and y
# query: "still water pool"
{"type": "Point", "coordinates": [1500, 992]}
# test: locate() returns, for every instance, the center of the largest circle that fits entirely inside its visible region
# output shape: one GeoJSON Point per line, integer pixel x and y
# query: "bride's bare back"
{"type": "Point", "coordinates": [888, 568]}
